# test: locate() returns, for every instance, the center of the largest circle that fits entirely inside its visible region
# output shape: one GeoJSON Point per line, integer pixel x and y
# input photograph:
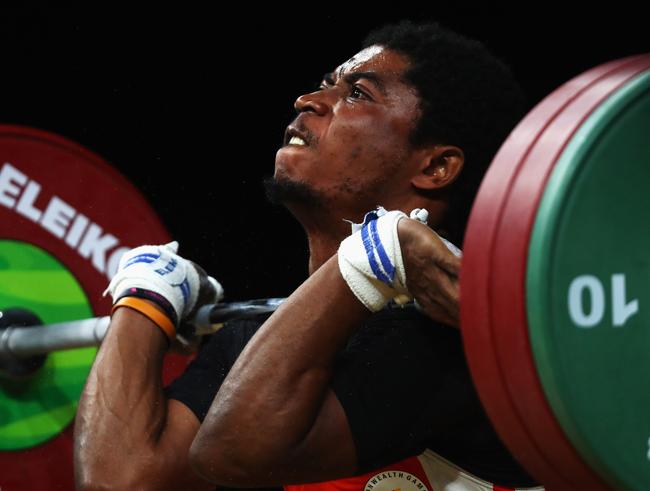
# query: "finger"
{"type": "Point", "coordinates": [449, 262]}
{"type": "Point", "coordinates": [437, 313]}
{"type": "Point", "coordinates": [450, 288]}
{"type": "Point", "coordinates": [443, 312]}
{"type": "Point", "coordinates": [441, 286]}
{"type": "Point", "coordinates": [419, 214]}
{"type": "Point", "coordinates": [450, 296]}
{"type": "Point", "coordinates": [442, 254]}
{"type": "Point", "coordinates": [438, 288]}
{"type": "Point", "coordinates": [439, 304]}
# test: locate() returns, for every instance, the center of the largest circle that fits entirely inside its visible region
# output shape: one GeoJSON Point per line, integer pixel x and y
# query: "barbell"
{"type": "Point", "coordinates": [23, 337]}
{"type": "Point", "coordinates": [554, 286]}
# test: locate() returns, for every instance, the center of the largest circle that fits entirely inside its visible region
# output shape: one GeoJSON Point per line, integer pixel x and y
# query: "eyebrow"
{"type": "Point", "coordinates": [351, 78]}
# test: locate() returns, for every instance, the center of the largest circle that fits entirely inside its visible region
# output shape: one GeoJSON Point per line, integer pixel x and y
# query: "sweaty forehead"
{"type": "Point", "coordinates": [375, 58]}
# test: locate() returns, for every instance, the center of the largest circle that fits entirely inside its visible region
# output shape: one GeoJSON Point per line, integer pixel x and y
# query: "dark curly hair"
{"type": "Point", "coordinates": [468, 98]}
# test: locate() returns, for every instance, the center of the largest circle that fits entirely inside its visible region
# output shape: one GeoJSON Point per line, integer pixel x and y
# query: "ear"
{"type": "Point", "coordinates": [440, 165]}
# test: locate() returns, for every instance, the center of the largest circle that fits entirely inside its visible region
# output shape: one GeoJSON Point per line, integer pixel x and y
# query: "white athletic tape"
{"type": "Point", "coordinates": [159, 269]}
{"type": "Point", "coordinates": [370, 260]}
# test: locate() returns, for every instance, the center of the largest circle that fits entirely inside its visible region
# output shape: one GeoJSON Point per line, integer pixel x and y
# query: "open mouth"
{"type": "Point", "coordinates": [293, 136]}
{"type": "Point", "coordinates": [296, 140]}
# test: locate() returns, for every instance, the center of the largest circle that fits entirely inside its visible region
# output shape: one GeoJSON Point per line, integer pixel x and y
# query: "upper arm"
{"type": "Point", "coordinates": [395, 387]}
{"type": "Point", "coordinates": [168, 467]}
{"type": "Point", "coordinates": [328, 450]}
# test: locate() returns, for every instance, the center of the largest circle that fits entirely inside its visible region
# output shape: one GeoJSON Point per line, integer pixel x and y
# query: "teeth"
{"type": "Point", "coordinates": [296, 140]}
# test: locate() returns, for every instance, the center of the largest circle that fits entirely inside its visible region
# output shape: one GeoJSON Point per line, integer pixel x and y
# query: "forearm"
{"type": "Point", "coordinates": [279, 381]}
{"type": "Point", "coordinates": [122, 410]}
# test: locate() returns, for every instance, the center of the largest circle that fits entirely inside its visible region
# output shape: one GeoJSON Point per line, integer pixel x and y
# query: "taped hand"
{"type": "Point", "coordinates": [391, 257]}
{"type": "Point", "coordinates": [159, 274]}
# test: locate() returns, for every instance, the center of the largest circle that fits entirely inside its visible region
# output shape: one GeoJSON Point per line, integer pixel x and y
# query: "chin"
{"type": "Point", "coordinates": [286, 189]}
{"type": "Point", "coordinates": [292, 158]}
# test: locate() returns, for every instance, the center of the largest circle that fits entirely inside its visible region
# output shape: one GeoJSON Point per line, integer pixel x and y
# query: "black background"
{"type": "Point", "coordinates": [191, 105]}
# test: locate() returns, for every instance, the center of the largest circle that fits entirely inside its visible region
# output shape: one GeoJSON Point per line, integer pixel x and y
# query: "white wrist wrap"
{"type": "Point", "coordinates": [370, 260]}
{"type": "Point", "coordinates": [159, 269]}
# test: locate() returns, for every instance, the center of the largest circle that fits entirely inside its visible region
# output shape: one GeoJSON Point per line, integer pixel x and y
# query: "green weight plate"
{"type": "Point", "coordinates": [37, 409]}
{"type": "Point", "coordinates": [588, 288]}
{"type": "Point", "coordinates": [67, 216]}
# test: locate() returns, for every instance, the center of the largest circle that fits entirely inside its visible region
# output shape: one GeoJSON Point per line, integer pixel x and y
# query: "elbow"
{"type": "Point", "coordinates": [234, 465]}
{"type": "Point", "coordinates": [90, 486]}
{"type": "Point", "coordinates": [104, 478]}
{"type": "Point", "coordinates": [214, 465]}
{"type": "Point", "coordinates": [95, 484]}
{"type": "Point", "coordinates": [115, 483]}
{"type": "Point", "coordinates": [102, 486]}
{"type": "Point", "coordinates": [91, 477]}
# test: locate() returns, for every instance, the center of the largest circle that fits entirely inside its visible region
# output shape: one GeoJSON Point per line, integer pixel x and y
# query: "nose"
{"type": "Point", "coordinates": [314, 101]}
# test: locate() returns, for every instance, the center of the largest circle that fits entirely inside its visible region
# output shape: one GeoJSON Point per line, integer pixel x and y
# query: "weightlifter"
{"type": "Point", "coordinates": [342, 387]}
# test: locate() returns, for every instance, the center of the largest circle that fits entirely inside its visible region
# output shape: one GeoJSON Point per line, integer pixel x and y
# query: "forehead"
{"type": "Point", "coordinates": [388, 67]}
{"type": "Point", "coordinates": [385, 62]}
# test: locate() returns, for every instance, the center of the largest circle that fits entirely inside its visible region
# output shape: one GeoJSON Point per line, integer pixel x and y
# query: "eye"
{"type": "Point", "coordinates": [323, 84]}
{"type": "Point", "coordinates": [356, 90]}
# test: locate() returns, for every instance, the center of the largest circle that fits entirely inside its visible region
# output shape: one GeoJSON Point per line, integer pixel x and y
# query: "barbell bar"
{"type": "Point", "coordinates": [24, 342]}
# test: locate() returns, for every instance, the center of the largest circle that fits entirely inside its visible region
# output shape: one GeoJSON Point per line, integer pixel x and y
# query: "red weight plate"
{"type": "Point", "coordinates": [476, 273]}
{"type": "Point", "coordinates": [509, 268]}
{"type": "Point", "coordinates": [68, 202]}
{"type": "Point", "coordinates": [481, 325]}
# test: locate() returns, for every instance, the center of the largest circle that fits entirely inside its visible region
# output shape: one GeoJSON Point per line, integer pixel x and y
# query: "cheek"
{"type": "Point", "coordinates": [357, 150]}
{"type": "Point", "coordinates": [364, 173]}
{"type": "Point", "coordinates": [363, 147]}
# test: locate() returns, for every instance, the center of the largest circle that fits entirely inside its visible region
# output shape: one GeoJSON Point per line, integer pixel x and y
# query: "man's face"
{"type": "Point", "coordinates": [356, 129]}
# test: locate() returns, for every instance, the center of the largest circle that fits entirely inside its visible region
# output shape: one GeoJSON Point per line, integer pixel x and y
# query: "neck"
{"type": "Point", "coordinates": [324, 233]}
{"type": "Point", "coordinates": [322, 246]}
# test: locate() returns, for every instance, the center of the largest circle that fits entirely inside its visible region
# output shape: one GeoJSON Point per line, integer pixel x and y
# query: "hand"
{"type": "Point", "coordinates": [210, 292]}
{"type": "Point", "coordinates": [180, 285]}
{"type": "Point", "coordinates": [370, 261]}
{"type": "Point", "coordinates": [431, 271]}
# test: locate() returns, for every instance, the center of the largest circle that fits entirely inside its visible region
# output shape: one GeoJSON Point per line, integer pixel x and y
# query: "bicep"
{"type": "Point", "coordinates": [173, 447]}
{"type": "Point", "coordinates": [377, 408]}
{"type": "Point", "coordinates": [180, 428]}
